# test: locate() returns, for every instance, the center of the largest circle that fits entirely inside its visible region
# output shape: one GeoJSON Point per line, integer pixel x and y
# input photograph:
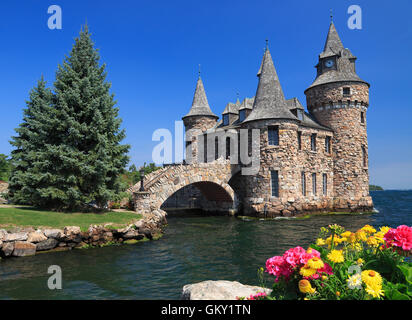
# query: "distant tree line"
{"type": "Point", "coordinates": [373, 187]}
{"type": "Point", "coordinates": [132, 176]}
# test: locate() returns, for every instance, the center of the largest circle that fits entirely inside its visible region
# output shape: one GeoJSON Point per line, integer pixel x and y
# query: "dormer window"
{"type": "Point", "coordinates": [242, 115]}
{"type": "Point", "coordinates": [346, 91]}
{"type": "Point", "coordinates": [300, 114]}
{"type": "Point", "coordinates": [225, 119]}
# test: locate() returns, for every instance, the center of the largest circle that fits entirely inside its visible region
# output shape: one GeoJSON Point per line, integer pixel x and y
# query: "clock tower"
{"type": "Point", "coordinates": [339, 99]}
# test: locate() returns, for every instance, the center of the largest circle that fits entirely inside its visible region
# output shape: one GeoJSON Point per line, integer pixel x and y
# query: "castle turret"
{"type": "Point", "coordinates": [339, 99]}
{"type": "Point", "coordinates": [199, 119]}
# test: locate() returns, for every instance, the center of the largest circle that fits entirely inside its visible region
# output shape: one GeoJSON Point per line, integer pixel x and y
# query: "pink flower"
{"type": "Point", "coordinates": [257, 296]}
{"type": "Point", "coordinates": [293, 259]}
{"type": "Point", "coordinates": [400, 237]}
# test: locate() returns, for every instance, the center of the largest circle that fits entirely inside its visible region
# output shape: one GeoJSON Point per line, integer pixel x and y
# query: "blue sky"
{"type": "Point", "coordinates": [153, 48]}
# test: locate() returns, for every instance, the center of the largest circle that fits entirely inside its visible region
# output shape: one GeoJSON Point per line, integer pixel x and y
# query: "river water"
{"type": "Point", "coordinates": [194, 248]}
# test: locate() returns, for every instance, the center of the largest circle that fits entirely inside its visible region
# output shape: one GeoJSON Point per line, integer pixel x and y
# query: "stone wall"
{"type": "Point", "coordinates": [27, 241]}
{"type": "Point", "coordinates": [195, 126]}
{"type": "Point", "coordinates": [290, 162]}
{"type": "Point", "coordinates": [342, 113]}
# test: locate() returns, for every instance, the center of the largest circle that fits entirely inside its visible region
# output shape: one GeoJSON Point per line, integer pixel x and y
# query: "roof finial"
{"type": "Point", "coordinates": [267, 45]}
{"type": "Point", "coordinates": [199, 70]}
{"type": "Point", "coordinates": [331, 16]}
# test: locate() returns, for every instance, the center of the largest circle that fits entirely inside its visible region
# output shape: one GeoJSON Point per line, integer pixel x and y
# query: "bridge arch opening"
{"type": "Point", "coordinates": [205, 196]}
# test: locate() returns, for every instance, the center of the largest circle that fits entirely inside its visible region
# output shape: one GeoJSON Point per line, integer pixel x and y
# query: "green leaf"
{"type": "Point", "coordinates": [407, 272]}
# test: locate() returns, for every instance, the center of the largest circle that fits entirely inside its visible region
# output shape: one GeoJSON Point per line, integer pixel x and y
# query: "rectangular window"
{"type": "Point", "coordinates": [216, 148]}
{"type": "Point", "coordinates": [303, 181]}
{"type": "Point", "coordinates": [274, 177]}
{"type": "Point", "coordinates": [273, 136]}
{"type": "Point", "coordinates": [242, 115]}
{"type": "Point", "coordinates": [299, 140]}
{"type": "Point", "coordinates": [365, 163]}
{"type": "Point", "coordinates": [205, 148]}
{"type": "Point", "coordinates": [227, 148]}
{"type": "Point", "coordinates": [346, 91]}
{"type": "Point", "coordinates": [327, 144]}
{"type": "Point", "coordinates": [249, 142]}
{"type": "Point", "coordinates": [362, 117]}
{"type": "Point", "coordinates": [314, 184]}
{"type": "Point", "coordinates": [225, 119]}
{"type": "Point", "coordinates": [313, 142]}
{"type": "Point", "coordinates": [325, 184]}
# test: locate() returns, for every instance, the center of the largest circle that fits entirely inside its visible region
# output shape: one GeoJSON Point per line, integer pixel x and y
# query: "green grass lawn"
{"type": "Point", "coordinates": [27, 216]}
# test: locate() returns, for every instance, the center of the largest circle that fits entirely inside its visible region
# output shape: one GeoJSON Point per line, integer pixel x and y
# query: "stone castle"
{"type": "Point", "coordinates": [312, 161]}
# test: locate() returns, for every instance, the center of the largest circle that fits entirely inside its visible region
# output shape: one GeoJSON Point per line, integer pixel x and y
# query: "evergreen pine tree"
{"type": "Point", "coordinates": [68, 152]}
{"type": "Point", "coordinates": [87, 155]}
{"type": "Point", "coordinates": [30, 162]}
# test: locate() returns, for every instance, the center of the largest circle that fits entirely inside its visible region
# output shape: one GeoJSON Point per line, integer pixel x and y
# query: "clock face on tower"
{"type": "Point", "coordinates": [329, 63]}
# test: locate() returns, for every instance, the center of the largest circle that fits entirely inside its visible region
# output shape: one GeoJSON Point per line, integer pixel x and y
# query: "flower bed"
{"type": "Point", "coordinates": [343, 265]}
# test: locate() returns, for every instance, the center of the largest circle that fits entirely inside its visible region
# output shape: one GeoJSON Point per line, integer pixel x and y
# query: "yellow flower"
{"type": "Point", "coordinates": [379, 237]}
{"type": "Point", "coordinates": [346, 234]}
{"type": "Point", "coordinates": [336, 240]}
{"type": "Point", "coordinates": [307, 271]}
{"type": "Point", "coordinates": [305, 287]}
{"type": "Point", "coordinates": [320, 242]}
{"type": "Point", "coordinates": [315, 263]}
{"type": "Point", "coordinates": [324, 278]}
{"type": "Point", "coordinates": [351, 238]}
{"type": "Point", "coordinates": [368, 229]}
{"type": "Point", "coordinates": [360, 235]}
{"type": "Point", "coordinates": [356, 246]}
{"type": "Point", "coordinates": [371, 278]}
{"type": "Point", "coordinates": [372, 241]}
{"type": "Point", "coordinates": [384, 229]}
{"type": "Point", "coordinates": [360, 261]}
{"type": "Point", "coordinates": [336, 256]}
{"type": "Point", "coordinates": [338, 293]}
{"type": "Point", "coordinates": [374, 291]}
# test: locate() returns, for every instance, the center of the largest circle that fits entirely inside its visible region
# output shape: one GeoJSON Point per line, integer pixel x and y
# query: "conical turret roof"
{"type": "Point", "coordinates": [333, 44]}
{"type": "Point", "coordinates": [270, 101]}
{"type": "Point", "coordinates": [345, 70]}
{"type": "Point", "coordinates": [200, 105]}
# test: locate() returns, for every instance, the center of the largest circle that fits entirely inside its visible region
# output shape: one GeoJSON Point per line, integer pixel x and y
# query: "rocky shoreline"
{"type": "Point", "coordinates": [27, 241]}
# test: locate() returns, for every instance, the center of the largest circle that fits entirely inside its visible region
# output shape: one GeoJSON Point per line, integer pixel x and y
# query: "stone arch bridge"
{"type": "Point", "coordinates": [212, 179]}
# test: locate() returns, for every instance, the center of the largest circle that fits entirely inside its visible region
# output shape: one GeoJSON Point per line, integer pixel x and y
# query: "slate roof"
{"type": "Point", "coordinates": [200, 105]}
{"type": "Point", "coordinates": [333, 44]}
{"type": "Point", "coordinates": [247, 103]}
{"type": "Point", "coordinates": [269, 101]}
{"type": "Point", "coordinates": [232, 108]}
{"type": "Point", "coordinates": [294, 103]}
{"type": "Point", "coordinates": [345, 70]}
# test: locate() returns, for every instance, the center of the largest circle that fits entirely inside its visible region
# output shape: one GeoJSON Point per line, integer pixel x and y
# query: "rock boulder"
{"type": "Point", "coordinates": [46, 244]}
{"type": "Point", "coordinates": [23, 248]}
{"type": "Point", "coordinates": [219, 290]}
{"type": "Point", "coordinates": [35, 237]}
